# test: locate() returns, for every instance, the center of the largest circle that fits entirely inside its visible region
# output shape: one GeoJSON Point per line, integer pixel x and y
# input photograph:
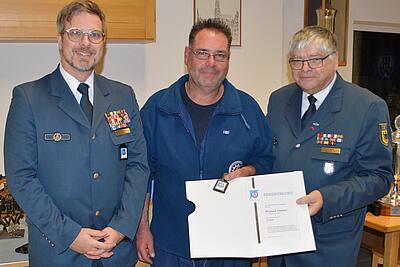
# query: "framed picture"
{"type": "Point", "coordinates": [230, 11]}
{"type": "Point", "coordinates": [331, 14]}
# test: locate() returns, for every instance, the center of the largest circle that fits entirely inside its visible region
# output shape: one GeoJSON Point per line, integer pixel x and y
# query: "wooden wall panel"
{"type": "Point", "coordinates": [35, 20]}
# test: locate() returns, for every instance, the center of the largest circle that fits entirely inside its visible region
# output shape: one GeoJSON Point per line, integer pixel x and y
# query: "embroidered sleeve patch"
{"type": "Point", "coordinates": [383, 133]}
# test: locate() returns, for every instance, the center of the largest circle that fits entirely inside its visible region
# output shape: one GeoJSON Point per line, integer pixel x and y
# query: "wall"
{"type": "Point", "coordinates": [256, 66]}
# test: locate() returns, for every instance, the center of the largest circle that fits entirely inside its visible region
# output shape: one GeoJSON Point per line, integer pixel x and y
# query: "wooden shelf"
{"type": "Point", "coordinates": [35, 20]}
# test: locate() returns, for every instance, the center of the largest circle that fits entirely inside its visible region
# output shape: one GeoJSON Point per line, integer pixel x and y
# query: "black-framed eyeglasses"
{"type": "Point", "coordinates": [76, 35]}
{"type": "Point", "coordinates": [313, 63]}
{"type": "Point", "coordinates": [204, 54]}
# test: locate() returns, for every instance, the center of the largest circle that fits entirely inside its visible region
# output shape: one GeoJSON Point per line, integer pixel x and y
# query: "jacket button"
{"type": "Point", "coordinates": [297, 145]}
{"type": "Point", "coordinates": [97, 213]}
{"type": "Point", "coordinates": [93, 136]}
{"type": "Point", "coordinates": [96, 175]}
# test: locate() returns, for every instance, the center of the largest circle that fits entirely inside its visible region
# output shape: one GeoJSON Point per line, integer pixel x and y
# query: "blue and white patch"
{"type": "Point", "coordinates": [235, 165]}
{"type": "Point", "coordinates": [253, 194]}
{"type": "Point", "coordinates": [329, 168]}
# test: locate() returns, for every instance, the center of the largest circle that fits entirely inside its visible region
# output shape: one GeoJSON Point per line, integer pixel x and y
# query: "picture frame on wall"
{"type": "Point", "coordinates": [332, 14]}
{"type": "Point", "coordinates": [230, 11]}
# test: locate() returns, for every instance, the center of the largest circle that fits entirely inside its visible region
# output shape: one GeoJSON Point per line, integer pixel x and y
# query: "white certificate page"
{"type": "Point", "coordinates": [256, 216]}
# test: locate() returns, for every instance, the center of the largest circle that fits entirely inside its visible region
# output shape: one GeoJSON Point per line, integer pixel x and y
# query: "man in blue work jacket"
{"type": "Point", "coordinates": [338, 134]}
{"type": "Point", "coordinates": [199, 128]}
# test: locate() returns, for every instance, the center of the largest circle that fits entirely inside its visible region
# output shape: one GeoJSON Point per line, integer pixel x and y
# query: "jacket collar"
{"type": "Point", "coordinates": [59, 88]}
{"type": "Point", "coordinates": [172, 102]}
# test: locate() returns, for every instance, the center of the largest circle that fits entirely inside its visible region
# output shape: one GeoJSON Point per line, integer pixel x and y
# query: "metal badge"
{"type": "Point", "coordinates": [57, 137]}
{"type": "Point", "coordinates": [329, 168]}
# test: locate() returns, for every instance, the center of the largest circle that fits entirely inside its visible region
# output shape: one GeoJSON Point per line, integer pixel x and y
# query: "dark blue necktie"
{"type": "Point", "coordinates": [310, 111]}
{"type": "Point", "coordinates": [85, 103]}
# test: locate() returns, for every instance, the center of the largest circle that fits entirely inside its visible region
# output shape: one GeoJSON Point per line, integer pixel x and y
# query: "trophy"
{"type": "Point", "coordinates": [326, 18]}
{"type": "Point", "coordinates": [10, 213]}
{"type": "Point", "coordinates": [391, 202]}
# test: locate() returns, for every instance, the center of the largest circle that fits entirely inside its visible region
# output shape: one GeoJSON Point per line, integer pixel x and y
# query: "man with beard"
{"type": "Point", "coordinates": [75, 154]}
{"type": "Point", "coordinates": [199, 128]}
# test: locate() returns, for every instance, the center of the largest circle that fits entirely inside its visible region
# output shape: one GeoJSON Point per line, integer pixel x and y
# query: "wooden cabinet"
{"type": "Point", "coordinates": [35, 20]}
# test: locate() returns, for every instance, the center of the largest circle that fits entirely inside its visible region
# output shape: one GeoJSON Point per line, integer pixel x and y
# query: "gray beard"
{"type": "Point", "coordinates": [83, 66]}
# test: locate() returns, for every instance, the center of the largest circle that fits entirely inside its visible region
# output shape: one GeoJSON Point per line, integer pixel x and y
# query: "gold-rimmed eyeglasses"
{"type": "Point", "coordinates": [76, 35]}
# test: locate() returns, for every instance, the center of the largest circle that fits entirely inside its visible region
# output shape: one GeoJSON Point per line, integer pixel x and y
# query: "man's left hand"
{"type": "Point", "coordinates": [113, 236]}
{"type": "Point", "coordinates": [314, 201]}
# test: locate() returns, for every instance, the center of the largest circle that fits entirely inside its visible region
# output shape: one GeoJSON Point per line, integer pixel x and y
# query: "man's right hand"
{"type": "Point", "coordinates": [145, 243]}
{"type": "Point", "coordinates": [87, 243]}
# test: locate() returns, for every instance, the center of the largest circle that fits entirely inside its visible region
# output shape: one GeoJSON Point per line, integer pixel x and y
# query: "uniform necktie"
{"type": "Point", "coordinates": [310, 111]}
{"type": "Point", "coordinates": [85, 103]}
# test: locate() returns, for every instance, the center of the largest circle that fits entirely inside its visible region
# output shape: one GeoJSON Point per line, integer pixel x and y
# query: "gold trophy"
{"type": "Point", "coordinates": [326, 19]}
{"type": "Point", "coordinates": [391, 202]}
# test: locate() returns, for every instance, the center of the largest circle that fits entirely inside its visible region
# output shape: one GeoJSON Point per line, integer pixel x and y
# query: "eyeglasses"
{"type": "Point", "coordinates": [76, 35]}
{"type": "Point", "coordinates": [203, 54]}
{"type": "Point", "coordinates": [313, 63]}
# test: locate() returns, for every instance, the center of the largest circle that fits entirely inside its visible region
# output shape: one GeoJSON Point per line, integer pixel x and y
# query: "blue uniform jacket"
{"type": "Point", "coordinates": [78, 181]}
{"type": "Point", "coordinates": [237, 131]}
{"type": "Point", "coordinates": [351, 169]}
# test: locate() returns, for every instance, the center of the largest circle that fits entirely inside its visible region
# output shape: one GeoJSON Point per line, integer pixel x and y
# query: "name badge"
{"type": "Point", "coordinates": [122, 131]}
{"type": "Point", "coordinates": [331, 150]}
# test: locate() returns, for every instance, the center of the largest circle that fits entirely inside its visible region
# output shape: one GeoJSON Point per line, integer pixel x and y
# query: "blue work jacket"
{"type": "Point", "coordinates": [237, 133]}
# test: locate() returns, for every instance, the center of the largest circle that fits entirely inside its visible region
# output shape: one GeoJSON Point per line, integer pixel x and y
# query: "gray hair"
{"type": "Point", "coordinates": [73, 8]}
{"type": "Point", "coordinates": [321, 37]}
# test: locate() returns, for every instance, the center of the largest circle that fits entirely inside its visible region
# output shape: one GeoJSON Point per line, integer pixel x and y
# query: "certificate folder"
{"type": "Point", "coordinates": [256, 216]}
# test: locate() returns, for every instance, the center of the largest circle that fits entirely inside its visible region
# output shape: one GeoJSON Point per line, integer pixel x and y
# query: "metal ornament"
{"type": "Point", "coordinates": [391, 202]}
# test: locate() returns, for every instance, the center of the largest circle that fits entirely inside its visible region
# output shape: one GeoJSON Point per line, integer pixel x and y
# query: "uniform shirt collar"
{"type": "Point", "coordinates": [73, 84]}
{"type": "Point", "coordinates": [320, 96]}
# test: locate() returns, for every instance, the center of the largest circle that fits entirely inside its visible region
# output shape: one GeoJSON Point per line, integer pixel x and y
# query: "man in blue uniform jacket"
{"type": "Point", "coordinates": [199, 128]}
{"type": "Point", "coordinates": [338, 134]}
{"type": "Point", "coordinates": [75, 154]}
